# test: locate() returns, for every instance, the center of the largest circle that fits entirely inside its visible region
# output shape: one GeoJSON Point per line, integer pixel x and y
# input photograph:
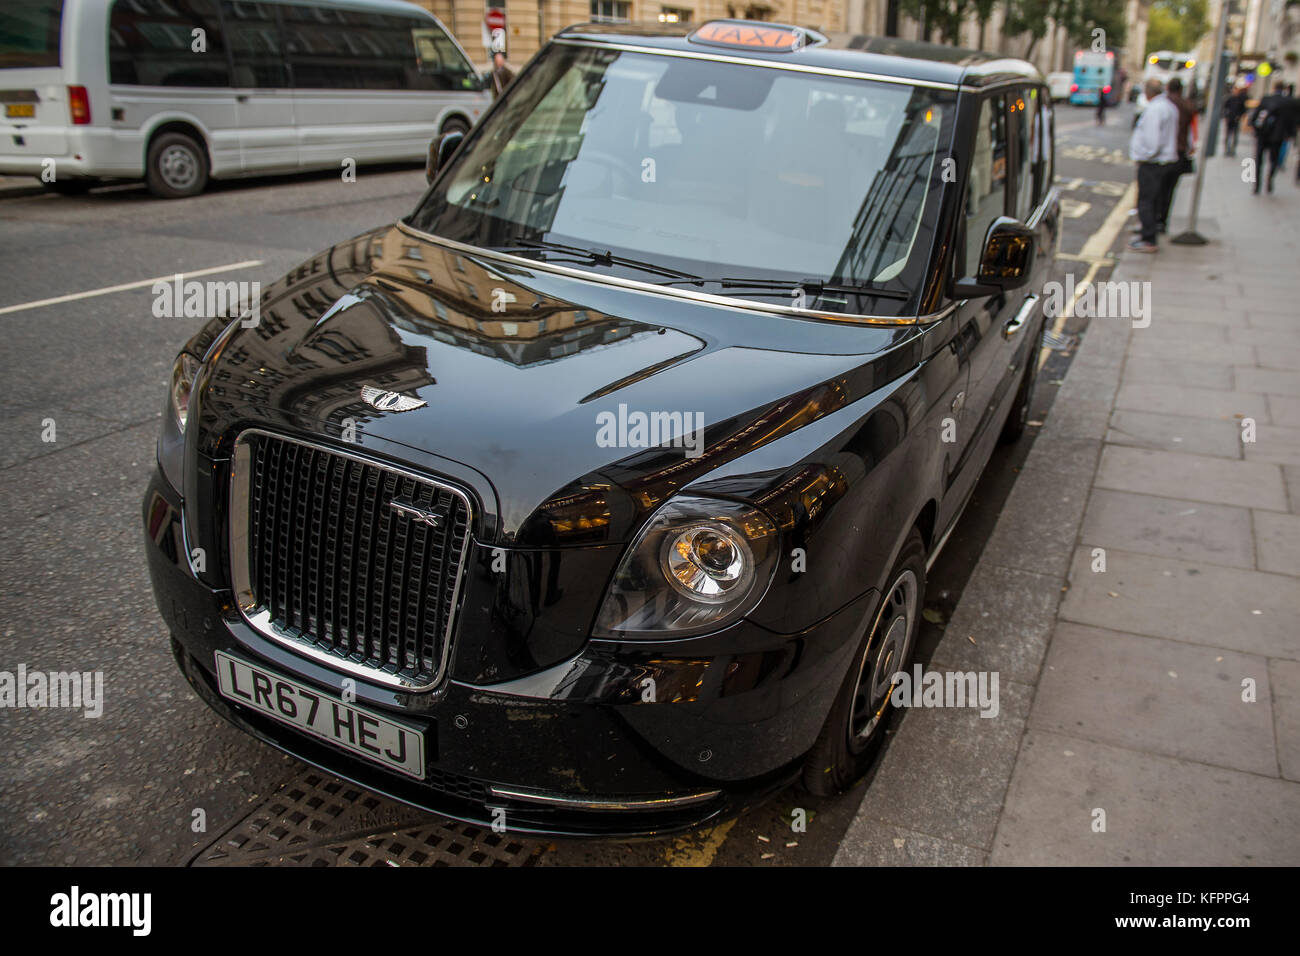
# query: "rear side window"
{"type": "Point", "coordinates": [29, 33]}
{"type": "Point", "coordinates": [166, 43]}
{"type": "Point", "coordinates": [986, 195]}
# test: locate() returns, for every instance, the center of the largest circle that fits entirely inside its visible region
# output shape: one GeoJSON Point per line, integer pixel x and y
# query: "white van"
{"type": "Point", "coordinates": [177, 91]}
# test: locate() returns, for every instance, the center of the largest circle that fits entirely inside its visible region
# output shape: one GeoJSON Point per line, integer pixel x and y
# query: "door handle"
{"type": "Point", "coordinates": [241, 97]}
{"type": "Point", "coordinates": [1026, 310]}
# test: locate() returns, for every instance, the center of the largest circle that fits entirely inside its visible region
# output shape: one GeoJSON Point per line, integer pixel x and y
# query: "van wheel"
{"type": "Point", "coordinates": [454, 125]}
{"type": "Point", "coordinates": [1018, 417]}
{"type": "Point", "coordinates": [177, 167]}
{"type": "Point", "coordinates": [855, 729]}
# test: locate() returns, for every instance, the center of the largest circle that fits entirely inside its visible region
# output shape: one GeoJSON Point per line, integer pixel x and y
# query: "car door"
{"type": "Point", "coordinates": [268, 138]}
{"type": "Point", "coordinates": [987, 195]}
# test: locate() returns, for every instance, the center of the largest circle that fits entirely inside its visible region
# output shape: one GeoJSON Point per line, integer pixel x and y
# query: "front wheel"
{"type": "Point", "coordinates": [855, 729]}
{"type": "Point", "coordinates": [176, 167]}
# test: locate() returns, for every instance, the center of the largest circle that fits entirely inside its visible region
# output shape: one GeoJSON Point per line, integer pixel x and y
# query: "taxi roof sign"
{"type": "Point", "coordinates": [748, 35]}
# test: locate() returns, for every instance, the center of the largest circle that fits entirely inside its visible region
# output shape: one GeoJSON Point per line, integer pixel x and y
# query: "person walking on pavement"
{"type": "Point", "coordinates": [502, 75]}
{"type": "Point", "coordinates": [1274, 123]}
{"type": "Point", "coordinates": [1101, 107]}
{"type": "Point", "coordinates": [1234, 108]}
{"type": "Point", "coordinates": [1154, 147]}
{"type": "Point", "coordinates": [1186, 147]}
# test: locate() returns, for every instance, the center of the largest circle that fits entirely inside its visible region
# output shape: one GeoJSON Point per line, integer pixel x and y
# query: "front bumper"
{"type": "Point", "coordinates": [572, 749]}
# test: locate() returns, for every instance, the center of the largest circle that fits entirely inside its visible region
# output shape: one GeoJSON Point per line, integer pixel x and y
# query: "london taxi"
{"type": "Point", "coordinates": [598, 494]}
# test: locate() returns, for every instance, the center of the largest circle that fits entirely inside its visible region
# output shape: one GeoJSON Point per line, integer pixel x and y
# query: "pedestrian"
{"type": "Point", "coordinates": [1234, 108]}
{"type": "Point", "coordinates": [1101, 107]}
{"type": "Point", "coordinates": [1154, 147]}
{"type": "Point", "coordinates": [1274, 123]}
{"type": "Point", "coordinates": [502, 75]}
{"type": "Point", "coordinates": [1186, 147]}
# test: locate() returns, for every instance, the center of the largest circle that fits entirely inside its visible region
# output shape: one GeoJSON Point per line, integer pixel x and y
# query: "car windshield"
{"type": "Point", "coordinates": [713, 170]}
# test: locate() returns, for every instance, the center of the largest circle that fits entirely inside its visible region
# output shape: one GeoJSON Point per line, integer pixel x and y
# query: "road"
{"type": "Point", "coordinates": [158, 778]}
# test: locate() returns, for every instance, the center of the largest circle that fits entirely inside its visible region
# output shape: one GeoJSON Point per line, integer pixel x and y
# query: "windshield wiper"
{"type": "Point", "coordinates": [811, 287]}
{"type": "Point", "coordinates": [596, 257]}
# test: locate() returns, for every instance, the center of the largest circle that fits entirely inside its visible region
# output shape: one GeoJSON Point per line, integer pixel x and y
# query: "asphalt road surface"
{"type": "Point", "coordinates": [158, 778]}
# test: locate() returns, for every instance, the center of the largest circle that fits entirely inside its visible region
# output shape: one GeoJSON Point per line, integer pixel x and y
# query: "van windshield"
{"type": "Point", "coordinates": [29, 33]}
{"type": "Point", "coordinates": [712, 169]}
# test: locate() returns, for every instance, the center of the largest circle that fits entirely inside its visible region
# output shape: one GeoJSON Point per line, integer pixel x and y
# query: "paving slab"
{"type": "Point", "coordinates": [1145, 370]}
{"type": "Point", "coordinates": [1196, 436]}
{"type": "Point", "coordinates": [1193, 477]}
{"type": "Point", "coordinates": [870, 843]}
{"type": "Point", "coordinates": [1284, 678]}
{"type": "Point", "coordinates": [1002, 623]}
{"type": "Point", "coordinates": [1159, 696]}
{"type": "Point", "coordinates": [1160, 811]}
{"type": "Point", "coordinates": [1192, 402]}
{"type": "Point", "coordinates": [1277, 544]}
{"type": "Point", "coordinates": [1176, 350]}
{"type": "Point", "coordinates": [946, 771]}
{"type": "Point", "coordinates": [1040, 522]}
{"type": "Point", "coordinates": [1249, 611]}
{"type": "Point", "coordinates": [1170, 527]}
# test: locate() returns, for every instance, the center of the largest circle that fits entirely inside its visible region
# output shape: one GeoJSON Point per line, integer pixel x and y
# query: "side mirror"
{"type": "Point", "coordinates": [440, 151]}
{"type": "Point", "coordinates": [1005, 264]}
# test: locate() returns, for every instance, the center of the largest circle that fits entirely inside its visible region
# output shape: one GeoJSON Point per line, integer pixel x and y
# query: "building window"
{"type": "Point", "coordinates": [610, 11]}
{"type": "Point", "coordinates": [675, 15]}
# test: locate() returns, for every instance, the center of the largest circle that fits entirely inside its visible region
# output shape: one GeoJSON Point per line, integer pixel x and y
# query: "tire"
{"type": "Point", "coordinates": [854, 730]}
{"type": "Point", "coordinates": [176, 167]}
{"type": "Point", "coordinates": [1018, 417]}
{"type": "Point", "coordinates": [71, 187]}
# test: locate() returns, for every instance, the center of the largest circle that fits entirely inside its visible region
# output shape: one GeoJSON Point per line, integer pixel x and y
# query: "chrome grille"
{"type": "Point", "coordinates": [325, 563]}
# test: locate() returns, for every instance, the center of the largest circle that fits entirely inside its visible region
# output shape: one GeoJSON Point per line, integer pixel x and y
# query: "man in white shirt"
{"type": "Point", "coordinates": [1154, 147]}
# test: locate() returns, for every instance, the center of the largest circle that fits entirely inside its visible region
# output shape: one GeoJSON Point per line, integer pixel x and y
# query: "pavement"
{"type": "Point", "coordinates": [1139, 596]}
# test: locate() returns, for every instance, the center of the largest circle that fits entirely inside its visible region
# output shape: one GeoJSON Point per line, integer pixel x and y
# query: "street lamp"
{"type": "Point", "coordinates": [1189, 236]}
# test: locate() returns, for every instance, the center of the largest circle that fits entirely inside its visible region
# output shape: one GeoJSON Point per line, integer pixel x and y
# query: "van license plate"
{"type": "Point", "coordinates": [20, 110]}
{"type": "Point", "coordinates": [357, 729]}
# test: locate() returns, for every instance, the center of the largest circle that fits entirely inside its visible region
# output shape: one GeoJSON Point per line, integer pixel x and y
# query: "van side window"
{"type": "Point", "coordinates": [343, 50]}
{"type": "Point", "coordinates": [986, 193]}
{"type": "Point", "coordinates": [254, 36]}
{"type": "Point", "coordinates": [440, 65]}
{"type": "Point", "coordinates": [166, 43]}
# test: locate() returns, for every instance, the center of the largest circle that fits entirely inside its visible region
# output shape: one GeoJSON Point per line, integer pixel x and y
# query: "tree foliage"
{"type": "Point", "coordinates": [1176, 25]}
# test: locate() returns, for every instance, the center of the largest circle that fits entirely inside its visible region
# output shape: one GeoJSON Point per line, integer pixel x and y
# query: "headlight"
{"type": "Point", "coordinates": [697, 565]}
{"type": "Point", "coordinates": [184, 372]}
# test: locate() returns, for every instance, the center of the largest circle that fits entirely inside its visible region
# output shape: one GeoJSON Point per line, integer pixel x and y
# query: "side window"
{"type": "Point", "coordinates": [154, 43]}
{"type": "Point", "coordinates": [340, 49]}
{"type": "Point", "coordinates": [1023, 104]}
{"type": "Point", "coordinates": [440, 65]}
{"type": "Point", "coordinates": [253, 32]}
{"type": "Point", "coordinates": [986, 193]}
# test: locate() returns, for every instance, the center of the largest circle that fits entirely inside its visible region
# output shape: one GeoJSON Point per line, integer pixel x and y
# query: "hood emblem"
{"type": "Point", "coordinates": [390, 401]}
{"type": "Point", "coordinates": [428, 516]}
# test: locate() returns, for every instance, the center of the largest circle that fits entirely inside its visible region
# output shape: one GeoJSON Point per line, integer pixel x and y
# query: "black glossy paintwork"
{"type": "Point", "coordinates": [834, 429]}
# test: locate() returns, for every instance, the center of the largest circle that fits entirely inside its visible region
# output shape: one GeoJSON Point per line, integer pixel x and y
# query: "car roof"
{"type": "Point", "coordinates": [892, 57]}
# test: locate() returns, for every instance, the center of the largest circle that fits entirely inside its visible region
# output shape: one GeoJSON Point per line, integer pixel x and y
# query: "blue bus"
{"type": "Point", "coordinates": [1094, 77]}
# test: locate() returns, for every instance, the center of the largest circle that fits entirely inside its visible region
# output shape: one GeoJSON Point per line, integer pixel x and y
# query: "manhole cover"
{"type": "Point", "coordinates": [318, 820]}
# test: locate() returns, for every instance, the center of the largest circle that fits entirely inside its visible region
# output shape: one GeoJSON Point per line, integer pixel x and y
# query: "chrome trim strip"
{"type": "Point", "coordinates": [259, 618]}
{"type": "Point", "coordinates": [750, 61]}
{"type": "Point", "coordinates": [608, 803]}
{"type": "Point", "coordinates": [632, 285]}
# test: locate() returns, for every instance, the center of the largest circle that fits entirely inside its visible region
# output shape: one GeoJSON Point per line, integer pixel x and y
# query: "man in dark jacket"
{"type": "Point", "coordinates": [1274, 122]}
{"type": "Point", "coordinates": [502, 75]}
{"type": "Point", "coordinates": [1186, 111]}
{"type": "Point", "coordinates": [1234, 108]}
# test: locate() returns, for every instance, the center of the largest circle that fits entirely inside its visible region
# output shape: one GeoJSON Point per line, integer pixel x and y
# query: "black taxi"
{"type": "Point", "coordinates": [597, 495]}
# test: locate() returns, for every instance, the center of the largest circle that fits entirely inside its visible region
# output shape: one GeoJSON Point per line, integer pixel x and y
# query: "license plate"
{"type": "Point", "coordinates": [357, 729]}
{"type": "Point", "coordinates": [20, 110]}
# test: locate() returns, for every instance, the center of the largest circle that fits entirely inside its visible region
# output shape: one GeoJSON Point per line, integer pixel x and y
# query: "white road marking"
{"type": "Point", "coordinates": [108, 290]}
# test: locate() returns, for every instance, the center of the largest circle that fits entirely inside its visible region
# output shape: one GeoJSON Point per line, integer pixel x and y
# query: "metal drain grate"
{"type": "Point", "coordinates": [318, 820]}
{"type": "Point", "coordinates": [1059, 341]}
